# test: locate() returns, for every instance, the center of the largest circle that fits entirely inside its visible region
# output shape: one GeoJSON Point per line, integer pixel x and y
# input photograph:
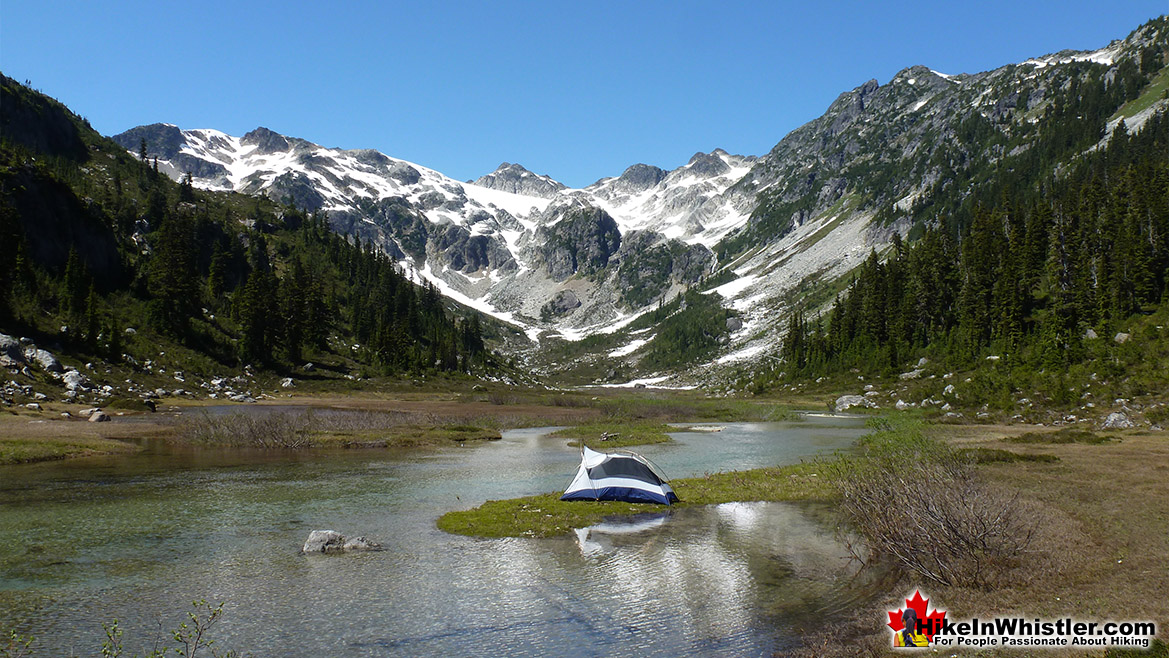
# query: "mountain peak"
{"type": "Point", "coordinates": [163, 140]}
{"type": "Point", "coordinates": [265, 140]}
{"type": "Point", "coordinates": [514, 178]}
{"type": "Point", "coordinates": [640, 177]}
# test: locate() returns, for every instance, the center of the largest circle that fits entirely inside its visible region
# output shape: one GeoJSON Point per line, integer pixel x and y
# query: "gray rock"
{"type": "Point", "coordinates": [43, 358]}
{"type": "Point", "coordinates": [734, 324]}
{"type": "Point", "coordinates": [33, 405]}
{"type": "Point", "coordinates": [10, 353]}
{"type": "Point", "coordinates": [912, 374]}
{"type": "Point", "coordinates": [1121, 338]}
{"type": "Point", "coordinates": [287, 382]}
{"type": "Point", "coordinates": [361, 544]}
{"type": "Point", "coordinates": [323, 541]}
{"type": "Point", "coordinates": [99, 416]}
{"type": "Point", "coordinates": [1090, 334]}
{"type": "Point", "coordinates": [563, 303]}
{"type": "Point", "coordinates": [331, 541]}
{"type": "Point", "coordinates": [1118, 420]}
{"type": "Point", "coordinates": [846, 402]}
{"type": "Point", "coordinates": [74, 380]}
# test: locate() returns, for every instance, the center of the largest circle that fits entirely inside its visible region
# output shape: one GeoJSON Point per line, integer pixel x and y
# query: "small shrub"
{"type": "Point", "coordinates": [270, 430]}
{"type": "Point", "coordinates": [923, 505]}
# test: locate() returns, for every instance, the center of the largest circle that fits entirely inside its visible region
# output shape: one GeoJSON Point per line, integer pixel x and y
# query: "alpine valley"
{"type": "Point", "coordinates": [704, 275]}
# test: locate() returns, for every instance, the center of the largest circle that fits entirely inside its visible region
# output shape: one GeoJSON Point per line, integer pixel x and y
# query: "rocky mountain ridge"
{"type": "Point", "coordinates": [758, 233]}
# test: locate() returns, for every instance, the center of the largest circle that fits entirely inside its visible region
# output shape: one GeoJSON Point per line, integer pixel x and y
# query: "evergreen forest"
{"type": "Point", "coordinates": [110, 259]}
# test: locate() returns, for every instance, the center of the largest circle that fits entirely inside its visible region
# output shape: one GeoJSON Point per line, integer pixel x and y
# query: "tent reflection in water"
{"type": "Point", "coordinates": [626, 477]}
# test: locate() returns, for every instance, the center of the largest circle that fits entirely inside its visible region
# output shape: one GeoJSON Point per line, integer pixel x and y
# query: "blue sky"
{"type": "Point", "coordinates": [577, 91]}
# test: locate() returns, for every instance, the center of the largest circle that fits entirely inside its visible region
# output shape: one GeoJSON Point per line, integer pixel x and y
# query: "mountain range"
{"type": "Point", "coordinates": [760, 236]}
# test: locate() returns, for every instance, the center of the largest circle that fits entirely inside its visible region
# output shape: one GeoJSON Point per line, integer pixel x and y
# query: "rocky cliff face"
{"type": "Point", "coordinates": [580, 243]}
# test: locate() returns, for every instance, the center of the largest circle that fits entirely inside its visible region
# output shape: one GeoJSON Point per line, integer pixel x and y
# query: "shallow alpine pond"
{"type": "Point", "coordinates": [137, 538]}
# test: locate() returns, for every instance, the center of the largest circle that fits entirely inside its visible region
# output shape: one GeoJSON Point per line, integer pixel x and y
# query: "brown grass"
{"type": "Point", "coordinates": [1101, 553]}
{"type": "Point", "coordinates": [31, 437]}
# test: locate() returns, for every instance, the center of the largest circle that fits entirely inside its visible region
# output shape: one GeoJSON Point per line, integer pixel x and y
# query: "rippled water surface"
{"type": "Point", "coordinates": [137, 538]}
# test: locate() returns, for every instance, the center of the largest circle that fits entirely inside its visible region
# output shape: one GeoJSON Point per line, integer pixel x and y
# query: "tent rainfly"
{"type": "Point", "coordinates": [627, 477]}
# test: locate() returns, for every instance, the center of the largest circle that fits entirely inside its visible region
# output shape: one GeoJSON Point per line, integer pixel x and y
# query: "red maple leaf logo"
{"type": "Point", "coordinates": [930, 623]}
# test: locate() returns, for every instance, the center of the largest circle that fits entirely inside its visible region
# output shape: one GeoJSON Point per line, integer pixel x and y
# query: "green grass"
{"type": "Point", "coordinates": [545, 515]}
{"type": "Point", "coordinates": [1156, 90]}
{"type": "Point", "coordinates": [27, 450]}
{"type": "Point", "coordinates": [622, 432]}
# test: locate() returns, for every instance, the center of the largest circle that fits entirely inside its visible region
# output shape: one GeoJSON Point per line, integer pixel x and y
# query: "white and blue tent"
{"type": "Point", "coordinates": [626, 477]}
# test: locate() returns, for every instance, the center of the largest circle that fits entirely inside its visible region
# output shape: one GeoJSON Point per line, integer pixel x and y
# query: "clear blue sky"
{"type": "Point", "coordinates": [575, 90]}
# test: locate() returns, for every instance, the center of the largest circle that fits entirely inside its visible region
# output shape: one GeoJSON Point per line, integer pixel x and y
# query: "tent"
{"type": "Point", "coordinates": [627, 477]}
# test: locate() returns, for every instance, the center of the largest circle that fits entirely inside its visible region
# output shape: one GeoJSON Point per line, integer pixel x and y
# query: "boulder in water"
{"type": "Point", "coordinates": [331, 541]}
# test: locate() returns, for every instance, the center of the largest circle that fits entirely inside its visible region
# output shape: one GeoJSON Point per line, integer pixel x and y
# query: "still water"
{"type": "Point", "coordinates": [138, 538]}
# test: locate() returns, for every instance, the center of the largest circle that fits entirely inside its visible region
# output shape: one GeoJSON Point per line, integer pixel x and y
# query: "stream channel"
{"type": "Point", "coordinates": [137, 538]}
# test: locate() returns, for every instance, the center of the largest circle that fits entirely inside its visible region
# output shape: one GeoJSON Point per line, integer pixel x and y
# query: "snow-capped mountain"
{"type": "Point", "coordinates": [510, 243]}
{"type": "Point", "coordinates": [756, 232]}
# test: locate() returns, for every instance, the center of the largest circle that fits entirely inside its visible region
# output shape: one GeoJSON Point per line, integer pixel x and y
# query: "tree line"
{"type": "Point", "coordinates": [1030, 277]}
{"type": "Point", "coordinates": [242, 280]}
